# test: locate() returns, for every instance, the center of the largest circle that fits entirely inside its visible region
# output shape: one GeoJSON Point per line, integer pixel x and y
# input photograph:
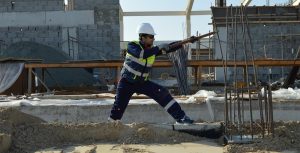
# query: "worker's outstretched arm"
{"type": "Point", "coordinates": [136, 51]}
{"type": "Point", "coordinates": [166, 48]}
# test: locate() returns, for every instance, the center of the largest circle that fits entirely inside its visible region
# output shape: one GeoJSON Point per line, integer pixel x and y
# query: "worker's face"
{"type": "Point", "coordinates": [148, 40]}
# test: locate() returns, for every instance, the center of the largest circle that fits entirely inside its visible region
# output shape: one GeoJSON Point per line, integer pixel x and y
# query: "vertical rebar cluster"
{"type": "Point", "coordinates": [248, 111]}
{"type": "Point", "coordinates": [248, 102]}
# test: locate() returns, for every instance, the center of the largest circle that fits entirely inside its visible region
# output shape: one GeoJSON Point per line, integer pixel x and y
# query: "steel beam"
{"type": "Point", "coordinates": [296, 2]}
{"type": "Point", "coordinates": [246, 2]}
{"type": "Point", "coordinates": [188, 17]}
{"type": "Point", "coordinates": [166, 13]}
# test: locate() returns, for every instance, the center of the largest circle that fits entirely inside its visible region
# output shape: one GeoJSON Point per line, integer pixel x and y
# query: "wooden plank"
{"type": "Point", "coordinates": [191, 63]}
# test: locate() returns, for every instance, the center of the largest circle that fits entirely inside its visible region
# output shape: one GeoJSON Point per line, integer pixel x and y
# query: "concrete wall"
{"type": "Point", "coordinates": [87, 30]}
{"type": "Point", "coordinates": [266, 40]}
{"type": "Point", "coordinates": [153, 113]}
{"type": "Point", "coordinates": [49, 18]}
{"type": "Point", "coordinates": [94, 25]}
{"type": "Point", "coordinates": [31, 5]}
{"type": "Point", "coordinates": [219, 48]}
{"type": "Point", "coordinates": [102, 38]}
{"type": "Point", "coordinates": [47, 35]}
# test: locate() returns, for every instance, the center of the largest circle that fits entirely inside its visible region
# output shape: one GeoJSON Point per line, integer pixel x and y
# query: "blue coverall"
{"type": "Point", "coordinates": [133, 80]}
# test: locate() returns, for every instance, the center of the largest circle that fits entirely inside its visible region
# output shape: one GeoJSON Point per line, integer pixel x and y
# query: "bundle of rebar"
{"type": "Point", "coordinates": [179, 60]}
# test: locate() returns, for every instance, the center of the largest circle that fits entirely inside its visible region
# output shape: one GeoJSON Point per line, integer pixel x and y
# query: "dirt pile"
{"type": "Point", "coordinates": [29, 133]}
{"type": "Point", "coordinates": [286, 137]}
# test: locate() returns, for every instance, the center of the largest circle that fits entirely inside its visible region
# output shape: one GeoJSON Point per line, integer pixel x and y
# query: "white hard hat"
{"type": "Point", "coordinates": [145, 28]}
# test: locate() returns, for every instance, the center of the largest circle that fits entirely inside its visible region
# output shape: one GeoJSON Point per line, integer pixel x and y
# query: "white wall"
{"type": "Point", "coordinates": [62, 18]}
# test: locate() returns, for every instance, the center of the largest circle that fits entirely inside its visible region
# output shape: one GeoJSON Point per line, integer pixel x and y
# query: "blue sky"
{"type": "Point", "coordinates": [173, 27]}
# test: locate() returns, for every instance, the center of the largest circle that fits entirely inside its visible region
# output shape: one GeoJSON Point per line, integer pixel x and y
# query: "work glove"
{"type": "Point", "coordinates": [164, 48]}
{"type": "Point", "coordinates": [193, 39]}
{"type": "Point", "coordinates": [175, 48]}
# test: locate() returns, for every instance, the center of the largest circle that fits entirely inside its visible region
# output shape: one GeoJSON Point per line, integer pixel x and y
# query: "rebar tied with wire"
{"type": "Point", "coordinates": [239, 123]}
{"type": "Point", "coordinates": [244, 96]}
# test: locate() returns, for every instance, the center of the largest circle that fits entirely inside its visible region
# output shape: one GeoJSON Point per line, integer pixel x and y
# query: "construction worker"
{"type": "Point", "coordinates": [134, 77]}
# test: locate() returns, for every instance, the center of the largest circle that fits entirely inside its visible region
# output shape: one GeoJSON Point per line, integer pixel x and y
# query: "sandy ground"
{"type": "Point", "coordinates": [204, 146]}
{"type": "Point", "coordinates": [287, 137]}
{"type": "Point", "coordinates": [31, 134]}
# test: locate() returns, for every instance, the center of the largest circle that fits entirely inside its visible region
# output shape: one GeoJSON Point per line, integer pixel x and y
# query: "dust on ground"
{"type": "Point", "coordinates": [30, 133]}
{"type": "Point", "coordinates": [286, 137]}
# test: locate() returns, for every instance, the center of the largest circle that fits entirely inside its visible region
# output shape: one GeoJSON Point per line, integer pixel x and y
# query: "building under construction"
{"type": "Point", "coordinates": [61, 60]}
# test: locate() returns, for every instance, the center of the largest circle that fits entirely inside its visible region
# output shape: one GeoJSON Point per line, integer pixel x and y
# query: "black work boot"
{"type": "Point", "coordinates": [185, 120]}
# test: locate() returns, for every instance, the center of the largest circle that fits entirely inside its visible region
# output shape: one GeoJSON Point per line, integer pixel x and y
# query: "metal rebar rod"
{"type": "Point", "coordinates": [247, 77]}
{"type": "Point", "coordinates": [243, 106]}
{"type": "Point", "coordinates": [225, 66]}
{"type": "Point", "coordinates": [266, 108]}
{"type": "Point", "coordinates": [230, 105]}
{"type": "Point", "coordinates": [282, 75]}
{"type": "Point", "coordinates": [227, 38]}
{"type": "Point", "coordinates": [235, 73]}
{"type": "Point", "coordinates": [239, 114]}
{"type": "Point", "coordinates": [271, 111]}
{"type": "Point", "coordinates": [261, 112]}
{"type": "Point", "coordinates": [251, 48]}
{"type": "Point", "coordinates": [232, 47]}
{"type": "Point", "coordinates": [225, 81]}
{"type": "Point", "coordinates": [234, 107]}
{"type": "Point", "coordinates": [251, 112]}
{"type": "Point", "coordinates": [226, 112]}
{"type": "Point", "coordinates": [255, 75]}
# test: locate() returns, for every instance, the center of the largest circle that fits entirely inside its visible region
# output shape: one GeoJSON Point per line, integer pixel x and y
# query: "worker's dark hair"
{"type": "Point", "coordinates": [142, 35]}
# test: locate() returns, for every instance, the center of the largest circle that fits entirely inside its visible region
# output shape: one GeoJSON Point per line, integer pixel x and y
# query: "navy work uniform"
{"type": "Point", "coordinates": [134, 79]}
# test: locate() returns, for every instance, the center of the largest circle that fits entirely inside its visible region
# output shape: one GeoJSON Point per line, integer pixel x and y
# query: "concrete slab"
{"type": "Point", "coordinates": [143, 110]}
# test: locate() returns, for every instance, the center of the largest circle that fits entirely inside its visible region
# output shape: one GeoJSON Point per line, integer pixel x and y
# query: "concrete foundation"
{"type": "Point", "coordinates": [152, 113]}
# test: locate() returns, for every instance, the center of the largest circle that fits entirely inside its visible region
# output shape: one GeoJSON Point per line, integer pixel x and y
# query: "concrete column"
{"type": "Point", "coordinates": [121, 24]}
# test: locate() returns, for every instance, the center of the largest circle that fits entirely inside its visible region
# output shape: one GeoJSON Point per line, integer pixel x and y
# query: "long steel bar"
{"type": "Point", "coordinates": [229, 120]}
{"type": "Point", "coordinates": [225, 78]}
{"type": "Point", "coordinates": [247, 74]}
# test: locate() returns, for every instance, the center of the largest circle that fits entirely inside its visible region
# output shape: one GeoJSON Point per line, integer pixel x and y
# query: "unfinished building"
{"type": "Point", "coordinates": [59, 31]}
{"type": "Point", "coordinates": [83, 30]}
{"type": "Point", "coordinates": [258, 32]}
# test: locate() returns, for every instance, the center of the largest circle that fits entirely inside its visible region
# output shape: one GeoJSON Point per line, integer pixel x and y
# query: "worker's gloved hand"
{"type": "Point", "coordinates": [175, 47]}
{"type": "Point", "coordinates": [193, 39]}
{"type": "Point", "coordinates": [164, 47]}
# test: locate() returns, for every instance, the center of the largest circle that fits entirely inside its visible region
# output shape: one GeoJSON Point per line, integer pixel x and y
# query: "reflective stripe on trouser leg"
{"type": "Point", "coordinates": [174, 109]}
{"type": "Point", "coordinates": [169, 104]}
{"type": "Point", "coordinates": [123, 95]}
